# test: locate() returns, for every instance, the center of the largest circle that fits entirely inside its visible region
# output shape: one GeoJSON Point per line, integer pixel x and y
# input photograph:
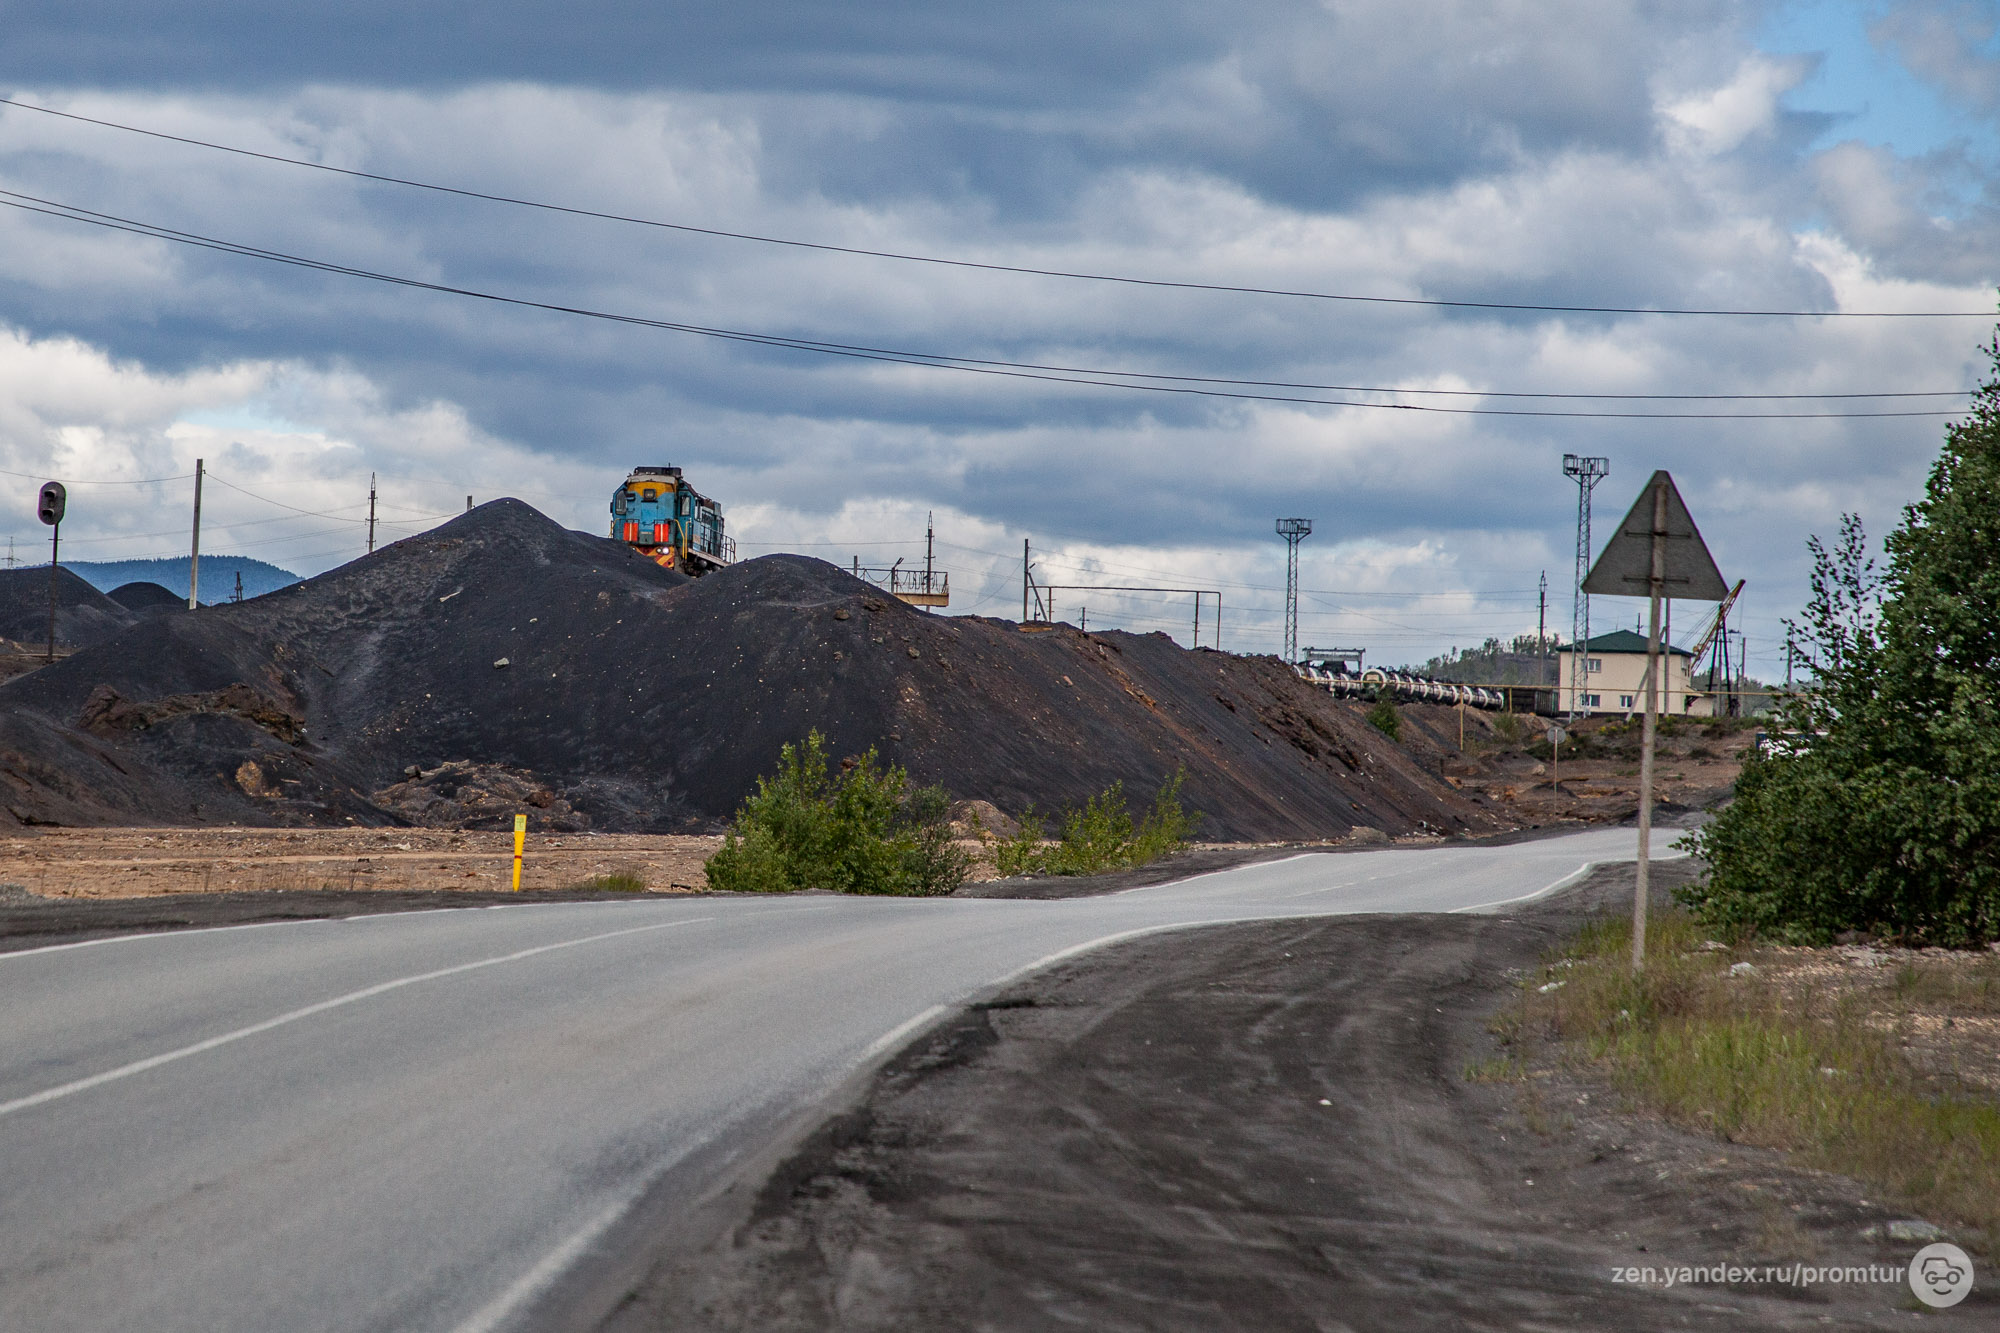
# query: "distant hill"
{"type": "Point", "coordinates": [218, 575]}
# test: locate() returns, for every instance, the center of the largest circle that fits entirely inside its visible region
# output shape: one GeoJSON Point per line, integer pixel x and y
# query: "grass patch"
{"type": "Point", "coordinates": [1786, 1054]}
{"type": "Point", "coordinates": [1101, 835]}
{"type": "Point", "coordinates": [616, 881]}
{"type": "Point", "coordinates": [1952, 990]}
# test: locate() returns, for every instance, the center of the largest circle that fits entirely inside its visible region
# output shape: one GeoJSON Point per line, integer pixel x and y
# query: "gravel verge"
{"type": "Point", "coordinates": [1268, 1125]}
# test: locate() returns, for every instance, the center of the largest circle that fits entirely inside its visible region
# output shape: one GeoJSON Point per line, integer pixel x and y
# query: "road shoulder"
{"type": "Point", "coordinates": [1263, 1125]}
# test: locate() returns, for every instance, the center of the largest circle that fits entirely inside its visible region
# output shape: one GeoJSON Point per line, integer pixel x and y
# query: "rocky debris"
{"type": "Point", "coordinates": [462, 794]}
{"type": "Point", "coordinates": [650, 702]}
{"type": "Point", "coordinates": [1908, 1231]}
{"type": "Point", "coordinates": [982, 819]}
{"type": "Point", "coordinates": [106, 711]}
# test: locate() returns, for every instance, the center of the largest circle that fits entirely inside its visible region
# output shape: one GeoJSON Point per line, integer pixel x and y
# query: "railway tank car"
{"type": "Point", "coordinates": [669, 522]}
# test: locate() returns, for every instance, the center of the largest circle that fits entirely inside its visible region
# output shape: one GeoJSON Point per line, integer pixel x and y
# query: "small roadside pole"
{"type": "Point", "coordinates": [1556, 738]}
{"type": "Point", "coordinates": [49, 506]}
{"type": "Point", "coordinates": [520, 842]}
{"type": "Point", "coordinates": [1657, 553]}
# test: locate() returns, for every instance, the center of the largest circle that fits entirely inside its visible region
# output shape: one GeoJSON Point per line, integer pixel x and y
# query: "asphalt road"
{"type": "Point", "coordinates": [424, 1121]}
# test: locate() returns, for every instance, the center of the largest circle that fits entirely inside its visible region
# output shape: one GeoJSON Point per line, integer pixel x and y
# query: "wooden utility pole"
{"type": "Point", "coordinates": [371, 513]}
{"type": "Point", "coordinates": [194, 553]}
{"type": "Point", "coordinates": [1656, 588]}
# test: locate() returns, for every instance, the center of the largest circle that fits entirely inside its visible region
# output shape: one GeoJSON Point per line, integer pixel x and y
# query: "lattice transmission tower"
{"type": "Point", "coordinates": [1587, 472]}
{"type": "Point", "coordinates": [1294, 531]}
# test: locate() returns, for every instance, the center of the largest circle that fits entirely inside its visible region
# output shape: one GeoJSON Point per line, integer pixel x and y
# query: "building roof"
{"type": "Point", "coordinates": [1625, 641]}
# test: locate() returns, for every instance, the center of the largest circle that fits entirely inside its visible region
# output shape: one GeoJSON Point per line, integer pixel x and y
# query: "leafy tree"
{"type": "Point", "coordinates": [1890, 821]}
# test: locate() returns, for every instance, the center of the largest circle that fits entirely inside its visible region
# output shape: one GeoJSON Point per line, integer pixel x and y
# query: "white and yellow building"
{"type": "Point", "coordinates": [1614, 679]}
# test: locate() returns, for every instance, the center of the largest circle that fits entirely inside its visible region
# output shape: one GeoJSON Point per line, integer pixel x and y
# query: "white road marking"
{"type": "Point", "coordinates": [157, 935]}
{"type": "Point", "coordinates": [168, 1057]}
{"type": "Point", "coordinates": [1574, 877]}
{"type": "Point", "coordinates": [529, 1287]}
{"type": "Point", "coordinates": [889, 1040]}
{"type": "Point", "coordinates": [1207, 874]}
{"type": "Point", "coordinates": [1329, 888]}
{"type": "Point", "coordinates": [526, 1289]}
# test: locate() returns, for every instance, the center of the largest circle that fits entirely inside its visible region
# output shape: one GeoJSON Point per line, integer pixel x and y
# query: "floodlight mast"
{"type": "Point", "coordinates": [1587, 471]}
{"type": "Point", "coordinates": [1294, 531]}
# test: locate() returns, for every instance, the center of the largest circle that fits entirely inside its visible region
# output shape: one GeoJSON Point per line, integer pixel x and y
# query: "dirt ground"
{"type": "Point", "coordinates": [1270, 1126]}
{"type": "Point", "coordinates": [59, 885]}
{"type": "Point", "coordinates": [132, 862]}
{"type": "Point", "coordinates": [1507, 762]}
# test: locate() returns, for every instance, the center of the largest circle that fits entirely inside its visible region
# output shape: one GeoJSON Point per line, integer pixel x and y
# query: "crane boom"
{"type": "Point", "coordinates": [1715, 625]}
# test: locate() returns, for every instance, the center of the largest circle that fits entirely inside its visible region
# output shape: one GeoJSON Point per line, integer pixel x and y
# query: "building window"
{"type": "Point", "coordinates": [1590, 701]}
{"type": "Point", "coordinates": [1624, 701]}
{"type": "Point", "coordinates": [1591, 664]}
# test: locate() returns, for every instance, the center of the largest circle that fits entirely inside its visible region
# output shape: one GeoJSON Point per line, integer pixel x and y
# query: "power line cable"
{"type": "Point", "coordinates": [1071, 562]}
{"type": "Point", "coordinates": [935, 361]}
{"type": "Point", "coordinates": [983, 266]}
{"type": "Point", "coordinates": [49, 476]}
{"type": "Point", "coordinates": [309, 513]}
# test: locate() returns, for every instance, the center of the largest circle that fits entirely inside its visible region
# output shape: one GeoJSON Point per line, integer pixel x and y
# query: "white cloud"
{"type": "Point", "coordinates": [1720, 119]}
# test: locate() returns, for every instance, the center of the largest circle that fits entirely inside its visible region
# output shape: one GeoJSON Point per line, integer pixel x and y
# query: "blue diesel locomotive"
{"type": "Point", "coordinates": [668, 521]}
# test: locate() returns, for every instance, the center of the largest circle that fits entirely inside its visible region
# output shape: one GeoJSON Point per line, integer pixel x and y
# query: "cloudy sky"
{"type": "Point", "coordinates": [1825, 157]}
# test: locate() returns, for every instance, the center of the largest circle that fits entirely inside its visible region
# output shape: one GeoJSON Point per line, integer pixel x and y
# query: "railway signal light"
{"type": "Point", "coordinates": [49, 506]}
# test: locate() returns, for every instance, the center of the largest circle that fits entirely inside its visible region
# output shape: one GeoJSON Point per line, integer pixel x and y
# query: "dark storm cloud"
{"type": "Point", "coordinates": [1566, 151]}
{"type": "Point", "coordinates": [1308, 103]}
{"type": "Point", "coordinates": [1033, 52]}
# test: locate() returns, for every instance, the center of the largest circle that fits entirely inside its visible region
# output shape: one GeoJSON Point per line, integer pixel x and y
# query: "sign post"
{"type": "Point", "coordinates": [49, 507]}
{"type": "Point", "coordinates": [520, 841]}
{"type": "Point", "coordinates": [1657, 553]}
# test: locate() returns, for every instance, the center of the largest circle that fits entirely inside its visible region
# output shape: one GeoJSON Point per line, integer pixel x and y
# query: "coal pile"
{"type": "Point", "coordinates": [147, 599]}
{"type": "Point", "coordinates": [500, 663]}
{"type": "Point", "coordinates": [83, 614]}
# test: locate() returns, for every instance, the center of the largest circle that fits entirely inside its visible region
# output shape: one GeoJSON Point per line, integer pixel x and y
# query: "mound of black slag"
{"type": "Point", "coordinates": [146, 599]}
{"type": "Point", "coordinates": [83, 614]}
{"type": "Point", "coordinates": [501, 663]}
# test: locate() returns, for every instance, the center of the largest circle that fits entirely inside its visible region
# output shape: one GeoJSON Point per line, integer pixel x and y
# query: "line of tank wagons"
{"type": "Point", "coordinates": [658, 514]}
{"type": "Point", "coordinates": [1375, 681]}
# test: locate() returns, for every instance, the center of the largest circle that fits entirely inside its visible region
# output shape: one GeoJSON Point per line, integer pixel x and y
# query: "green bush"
{"type": "Point", "coordinates": [863, 830]}
{"type": "Point", "coordinates": [1889, 823]}
{"type": "Point", "coordinates": [1385, 719]}
{"type": "Point", "coordinates": [1101, 836]}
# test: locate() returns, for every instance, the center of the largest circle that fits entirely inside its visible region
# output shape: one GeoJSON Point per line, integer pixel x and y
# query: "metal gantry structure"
{"type": "Point", "coordinates": [1587, 472]}
{"type": "Point", "coordinates": [1294, 531]}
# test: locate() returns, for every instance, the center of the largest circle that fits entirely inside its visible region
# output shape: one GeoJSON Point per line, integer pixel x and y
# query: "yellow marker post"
{"type": "Point", "coordinates": [520, 841]}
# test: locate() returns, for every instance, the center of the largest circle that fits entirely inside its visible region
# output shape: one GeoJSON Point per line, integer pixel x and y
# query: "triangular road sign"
{"type": "Point", "coordinates": [1625, 567]}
